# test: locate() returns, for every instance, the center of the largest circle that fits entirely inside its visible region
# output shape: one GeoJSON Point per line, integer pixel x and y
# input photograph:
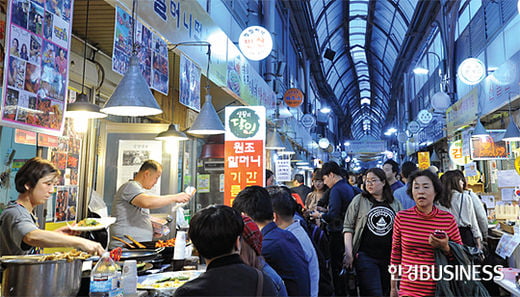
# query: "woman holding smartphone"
{"type": "Point", "coordinates": [418, 231]}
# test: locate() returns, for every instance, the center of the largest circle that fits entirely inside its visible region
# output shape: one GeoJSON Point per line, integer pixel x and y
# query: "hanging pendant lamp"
{"type": "Point", "coordinates": [132, 96]}
{"type": "Point", "coordinates": [512, 132]}
{"type": "Point", "coordinates": [207, 122]}
{"type": "Point", "coordinates": [274, 142]}
{"type": "Point", "coordinates": [479, 130]}
{"type": "Point", "coordinates": [171, 134]}
{"type": "Point", "coordinates": [82, 108]}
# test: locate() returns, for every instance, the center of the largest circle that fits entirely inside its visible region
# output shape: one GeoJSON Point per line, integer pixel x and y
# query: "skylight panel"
{"type": "Point", "coordinates": [365, 93]}
{"type": "Point", "coordinates": [359, 8]}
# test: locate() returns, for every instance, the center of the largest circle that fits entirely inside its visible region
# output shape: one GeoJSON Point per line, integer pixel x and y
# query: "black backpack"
{"type": "Point", "coordinates": [321, 245]}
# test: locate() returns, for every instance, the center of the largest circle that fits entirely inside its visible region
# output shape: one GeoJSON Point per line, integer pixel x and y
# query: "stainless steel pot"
{"type": "Point", "coordinates": [27, 277]}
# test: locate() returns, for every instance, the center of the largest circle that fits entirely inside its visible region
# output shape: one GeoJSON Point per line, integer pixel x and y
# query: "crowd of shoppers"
{"type": "Point", "coordinates": [270, 244]}
{"type": "Point", "coordinates": [395, 217]}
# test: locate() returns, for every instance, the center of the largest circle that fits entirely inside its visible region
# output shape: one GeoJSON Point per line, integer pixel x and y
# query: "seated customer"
{"type": "Point", "coordinates": [280, 248]}
{"type": "Point", "coordinates": [215, 232]}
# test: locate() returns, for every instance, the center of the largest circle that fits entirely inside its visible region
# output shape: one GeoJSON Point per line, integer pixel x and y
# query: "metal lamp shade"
{"type": "Point", "coordinates": [82, 108]}
{"type": "Point", "coordinates": [132, 96]}
{"type": "Point", "coordinates": [512, 132]}
{"type": "Point", "coordinates": [207, 122]}
{"type": "Point", "coordinates": [171, 134]}
{"type": "Point", "coordinates": [274, 142]}
{"type": "Point", "coordinates": [480, 130]}
{"type": "Point", "coordinates": [434, 157]}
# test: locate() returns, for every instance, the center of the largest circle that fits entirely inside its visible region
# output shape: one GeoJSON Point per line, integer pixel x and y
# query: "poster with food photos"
{"type": "Point", "coordinates": [152, 51]}
{"type": "Point", "coordinates": [36, 65]}
{"type": "Point", "coordinates": [66, 157]}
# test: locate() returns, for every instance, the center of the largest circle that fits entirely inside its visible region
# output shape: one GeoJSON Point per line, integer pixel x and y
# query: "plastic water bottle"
{"type": "Point", "coordinates": [104, 278]}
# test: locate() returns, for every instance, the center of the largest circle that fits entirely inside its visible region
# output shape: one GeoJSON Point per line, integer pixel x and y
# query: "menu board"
{"type": "Point", "coordinates": [36, 65]}
{"type": "Point", "coordinates": [243, 149]}
{"type": "Point", "coordinates": [152, 51]}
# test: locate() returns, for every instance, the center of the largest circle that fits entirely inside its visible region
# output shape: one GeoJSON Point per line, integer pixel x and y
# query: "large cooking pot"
{"type": "Point", "coordinates": [29, 277]}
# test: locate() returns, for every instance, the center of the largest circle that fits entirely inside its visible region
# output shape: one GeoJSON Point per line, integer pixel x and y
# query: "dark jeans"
{"type": "Point", "coordinates": [373, 276]}
{"type": "Point", "coordinates": [337, 248]}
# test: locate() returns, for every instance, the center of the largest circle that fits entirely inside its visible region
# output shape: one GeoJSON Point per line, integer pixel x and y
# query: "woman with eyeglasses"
{"type": "Point", "coordinates": [367, 232]}
{"type": "Point", "coordinates": [19, 230]}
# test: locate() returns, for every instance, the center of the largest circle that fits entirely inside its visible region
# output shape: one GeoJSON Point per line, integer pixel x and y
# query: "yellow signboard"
{"type": "Point", "coordinates": [423, 159]}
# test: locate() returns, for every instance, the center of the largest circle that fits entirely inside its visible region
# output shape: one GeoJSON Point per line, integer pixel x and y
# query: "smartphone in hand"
{"type": "Point", "coordinates": [439, 234]}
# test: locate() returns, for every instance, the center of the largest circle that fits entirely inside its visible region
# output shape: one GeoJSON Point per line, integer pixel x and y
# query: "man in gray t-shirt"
{"type": "Point", "coordinates": [132, 203]}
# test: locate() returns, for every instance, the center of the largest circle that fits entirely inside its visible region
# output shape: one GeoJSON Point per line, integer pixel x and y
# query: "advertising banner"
{"type": "Point", "coordinates": [36, 65]}
{"type": "Point", "coordinates": [244, 150]}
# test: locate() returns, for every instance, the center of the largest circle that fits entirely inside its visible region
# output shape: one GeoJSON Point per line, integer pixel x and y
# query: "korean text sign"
{"type": "Point", "coordinates": [244, 149]}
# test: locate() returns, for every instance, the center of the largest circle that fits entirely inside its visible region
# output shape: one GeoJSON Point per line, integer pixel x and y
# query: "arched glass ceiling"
{"type": "Point", "coordinates": [366, 36]}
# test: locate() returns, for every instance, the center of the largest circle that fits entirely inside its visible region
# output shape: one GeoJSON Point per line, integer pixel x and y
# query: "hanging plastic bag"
{"type": "Point", "coordinates": [97, 205]}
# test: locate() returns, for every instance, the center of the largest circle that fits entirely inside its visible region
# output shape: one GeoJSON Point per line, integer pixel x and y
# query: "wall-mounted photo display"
{"type": "Point", "coordinates": [152, 51]}
{"type": "Point", "coordinates": [189, 81]}
{"type": "Point", "coordinates": [36, 65]}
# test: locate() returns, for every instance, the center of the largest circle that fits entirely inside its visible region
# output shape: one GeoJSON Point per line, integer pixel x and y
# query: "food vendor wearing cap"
{"type": "Point", "coordinates": [19, 232]}
{"type": "Point", "coordinates": [132, 203]}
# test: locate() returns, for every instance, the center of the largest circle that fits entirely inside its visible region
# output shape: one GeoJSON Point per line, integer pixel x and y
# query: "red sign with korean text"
{"type": "Point", "coordinates": [244, 166]}
{"type": "Point", "coordinates": [244, 149]}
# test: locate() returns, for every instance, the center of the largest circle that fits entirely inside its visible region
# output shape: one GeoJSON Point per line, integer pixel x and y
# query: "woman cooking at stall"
{"type": "Point", "coordinates": [19, 232]}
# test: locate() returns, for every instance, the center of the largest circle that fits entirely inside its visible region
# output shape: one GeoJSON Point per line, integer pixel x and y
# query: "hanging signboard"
{"type": "Point", "coordinates": [293, 97]}
{"type": "Point", "coordinates": [152, 51]}
{"type": "Point", "coordinates": [283, 170]}
{"type": "Point", "coordinates": [455, 153]}
{"type": "Point", "coordinates": [485, 148]}
{"type": "Point", "coordinates": [423, 158]}
{"type": "Point", "coordinates": [413, 127]}
{"type": "Point", "coordinates": [37, 65]}
{"type": "Point", "coordinates": [308, 120]}
{"type": "Point", "coordinates": [424, 117]}
{"type": "Point", "coordinates": [189, 81]}
{"type": "Point", "coordinates": [244, 149]}
{"type": "Point", "coordinates": [255, 42]}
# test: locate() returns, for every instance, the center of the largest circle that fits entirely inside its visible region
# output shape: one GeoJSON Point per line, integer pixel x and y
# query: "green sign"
{"type": "Point", "coordinates": [244, 123]}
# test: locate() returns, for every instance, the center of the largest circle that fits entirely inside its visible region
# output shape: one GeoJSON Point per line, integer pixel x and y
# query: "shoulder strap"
{"type": "Point", "coordinates": [461, 200]}
{"type": "Point", "coordinates": [259, 283]}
